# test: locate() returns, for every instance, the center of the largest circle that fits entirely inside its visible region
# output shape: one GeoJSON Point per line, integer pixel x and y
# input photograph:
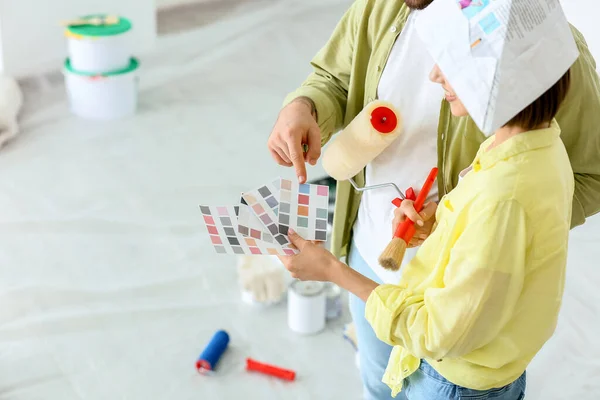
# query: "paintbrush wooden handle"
{"type": "Point", "coordinates": [406, 230]}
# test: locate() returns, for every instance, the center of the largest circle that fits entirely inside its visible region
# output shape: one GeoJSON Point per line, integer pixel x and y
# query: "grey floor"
{"type": "Point", "coordinates": [108, 286]}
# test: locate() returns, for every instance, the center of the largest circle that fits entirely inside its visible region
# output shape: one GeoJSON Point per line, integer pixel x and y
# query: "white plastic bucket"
{"type": "Point", "coordinates": [307, 307]}
{"type": "Point", "coordinates": [99, 49]}
{"type": "Point", "coordinates": [103, 97]}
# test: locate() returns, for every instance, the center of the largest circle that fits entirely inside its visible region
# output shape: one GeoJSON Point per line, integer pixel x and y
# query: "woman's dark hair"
{"type": "Point", "coordinates": [545, 108]}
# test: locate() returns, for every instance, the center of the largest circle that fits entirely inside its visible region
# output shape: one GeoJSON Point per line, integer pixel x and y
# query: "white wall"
{"type": "Point", "coordinates": [33, 41]}
{"type": "Point", "coordinates": [170, 3]}
{"type": "Point", "coordinates": [584, 15]}
{"type": "Point", "coordinates": [1, 52]}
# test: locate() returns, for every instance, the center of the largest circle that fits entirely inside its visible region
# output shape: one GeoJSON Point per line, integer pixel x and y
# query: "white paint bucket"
{"type": "Point", "coordinates": [306, 307]}
{"type": "Point", "coordinates": [104, 97]}
{"type": "Point", "coordinates": [99, 49]}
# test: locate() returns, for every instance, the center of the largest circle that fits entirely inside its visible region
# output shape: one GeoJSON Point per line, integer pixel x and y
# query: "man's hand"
{"type": "Point", "coordinates": [423, 221]}
{"type": "Point", "coordinates": [313, 263]}
{"type": "Point", "coordinates": [295, 127]}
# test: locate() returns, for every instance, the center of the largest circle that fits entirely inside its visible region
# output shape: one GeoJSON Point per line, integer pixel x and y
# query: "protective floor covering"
{"type": "Point", "coordinates": [108, 286]}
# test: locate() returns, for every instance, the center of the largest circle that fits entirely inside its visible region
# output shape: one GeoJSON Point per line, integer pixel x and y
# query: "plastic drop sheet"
{"type": "Point", "coordinates": [108, 288]}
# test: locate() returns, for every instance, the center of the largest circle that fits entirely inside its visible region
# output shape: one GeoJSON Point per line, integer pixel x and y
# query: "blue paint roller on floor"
{"type": "Point", "coordinates": [212, 353]}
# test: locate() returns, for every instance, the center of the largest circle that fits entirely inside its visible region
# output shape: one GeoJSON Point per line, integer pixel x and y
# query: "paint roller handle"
{"type": "Point", "coordinates": [409, 195]}
{"type": "Point", "coordinates": [406, 230]}
{"type": "Point", "coordinates": [286, 374]}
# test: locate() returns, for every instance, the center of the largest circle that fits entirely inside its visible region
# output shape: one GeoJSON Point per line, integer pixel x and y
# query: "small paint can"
{"type": "Point", "coordinates": [306, 307]}
{"type": "Point", "coordinates": [100, 48]}
{"type": "Point", "coordinates": [333, 296]}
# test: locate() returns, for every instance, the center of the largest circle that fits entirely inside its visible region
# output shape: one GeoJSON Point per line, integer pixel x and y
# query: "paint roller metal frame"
{"type": "Point", "coordinates": [379, 186]}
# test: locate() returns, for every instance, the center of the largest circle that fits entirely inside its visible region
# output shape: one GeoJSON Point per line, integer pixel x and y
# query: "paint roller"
{"type": "Point", "coordinates": [367, 135]}
{"type": "Point", "coordinates": [212, 353]}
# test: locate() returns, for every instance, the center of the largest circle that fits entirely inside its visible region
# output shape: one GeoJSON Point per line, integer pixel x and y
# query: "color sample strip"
{"type": "Point", "coordinates": [222, 226]}
{"type": "Point", "coordinates": [303, 208]}
{"type": "Point", "coordinates": [250, 225]}
{"type": "Point", "coordinates": [264, 202]}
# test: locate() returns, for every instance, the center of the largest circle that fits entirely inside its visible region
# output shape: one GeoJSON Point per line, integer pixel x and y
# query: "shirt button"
{"type": "Point", "coordinates": [378, 68]}
{"type": "Point", "coordinates": [393, 29]}
{"type": "Point", "coordinates": [443, 136]}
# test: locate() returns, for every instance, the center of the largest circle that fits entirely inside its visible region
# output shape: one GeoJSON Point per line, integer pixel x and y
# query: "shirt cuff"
{"type": "Point", "coordinates": [382, 308]}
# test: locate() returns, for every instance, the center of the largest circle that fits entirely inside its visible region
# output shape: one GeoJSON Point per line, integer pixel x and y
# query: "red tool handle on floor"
{"type": "Point", "coordinates": [286, 374]}
{"type": "Point", "coordinates": [406, 230]}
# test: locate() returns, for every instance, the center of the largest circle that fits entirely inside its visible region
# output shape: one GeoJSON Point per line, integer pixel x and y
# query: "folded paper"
{"type": "Point", "coordinates": [499, 56]}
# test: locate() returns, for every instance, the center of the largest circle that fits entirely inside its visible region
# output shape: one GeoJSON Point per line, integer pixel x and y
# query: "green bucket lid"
{"type": "Point", "coordinates": [133, 65]}
{"type": "Point", "coordinates": [123, 26]}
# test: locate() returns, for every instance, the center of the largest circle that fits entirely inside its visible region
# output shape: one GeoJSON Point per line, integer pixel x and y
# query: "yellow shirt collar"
{"type": "Point", "coordinates": [518, 144]}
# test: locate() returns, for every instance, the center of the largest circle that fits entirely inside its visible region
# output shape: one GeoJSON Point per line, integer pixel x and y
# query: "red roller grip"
{"type": "Point", "coordinates": [285, 374]}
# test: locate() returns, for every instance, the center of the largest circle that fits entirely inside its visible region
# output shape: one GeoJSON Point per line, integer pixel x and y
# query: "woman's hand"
{"type": "Point", "coordinates": [423, 221]}
{"type": "Point", "coordinates": [313, 263]}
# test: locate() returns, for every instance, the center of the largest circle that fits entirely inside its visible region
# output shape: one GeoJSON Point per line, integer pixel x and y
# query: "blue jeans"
{"type": "Point", "coordinates": [373, 354]}
{"type": "Point", "coordinates": [425, 383]}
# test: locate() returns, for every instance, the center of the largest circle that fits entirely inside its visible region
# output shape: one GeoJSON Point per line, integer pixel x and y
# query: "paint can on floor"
{"type": "Point", "coordinates": [104, 96]}
{"type": "Point", "coordinates": [99, 48]}
{"type": "Point", "coordinates": [333, 295]}
{"type": "Point", "coordinates": [306, 307]}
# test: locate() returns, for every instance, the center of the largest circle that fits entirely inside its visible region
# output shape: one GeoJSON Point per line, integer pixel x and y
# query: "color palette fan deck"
{"type": "Point", "coordinates": [259, 225]}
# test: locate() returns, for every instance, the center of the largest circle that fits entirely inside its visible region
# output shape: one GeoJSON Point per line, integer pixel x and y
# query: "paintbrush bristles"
{"type": "Point", "coordinates": [392, 256]}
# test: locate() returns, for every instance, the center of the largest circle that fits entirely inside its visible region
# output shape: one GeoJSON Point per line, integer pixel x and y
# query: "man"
{"type": "Point", "coordinates": [375, 52]}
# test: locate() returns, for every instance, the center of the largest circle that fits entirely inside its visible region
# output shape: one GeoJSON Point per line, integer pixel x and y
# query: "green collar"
{"type": "Point", "coordinates": [123, 26]}
{"type": "Point", "coordinates": [133, 65]}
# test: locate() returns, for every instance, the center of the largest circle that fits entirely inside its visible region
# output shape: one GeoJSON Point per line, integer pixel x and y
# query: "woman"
{"type": "Point", "coordinates": [482, 295]}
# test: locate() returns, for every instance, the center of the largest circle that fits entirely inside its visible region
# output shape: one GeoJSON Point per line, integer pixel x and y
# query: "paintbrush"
{"type": "Point", "coordinates": [392, 256]}
{"type": "Point", "coordinates": [105, 20]}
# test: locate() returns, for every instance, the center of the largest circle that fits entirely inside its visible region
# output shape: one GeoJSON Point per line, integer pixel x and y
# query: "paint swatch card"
{"type": "Point", "coordinates": [264, 202]}
{"type": "Point", "coordinates": [222, 226]}
{"type": "Point", "coordinates": [259, 225]}
{"type": "Point", "coordinates": [250, 225]}
{"type": "Point", "coordinates": [303, 208]}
